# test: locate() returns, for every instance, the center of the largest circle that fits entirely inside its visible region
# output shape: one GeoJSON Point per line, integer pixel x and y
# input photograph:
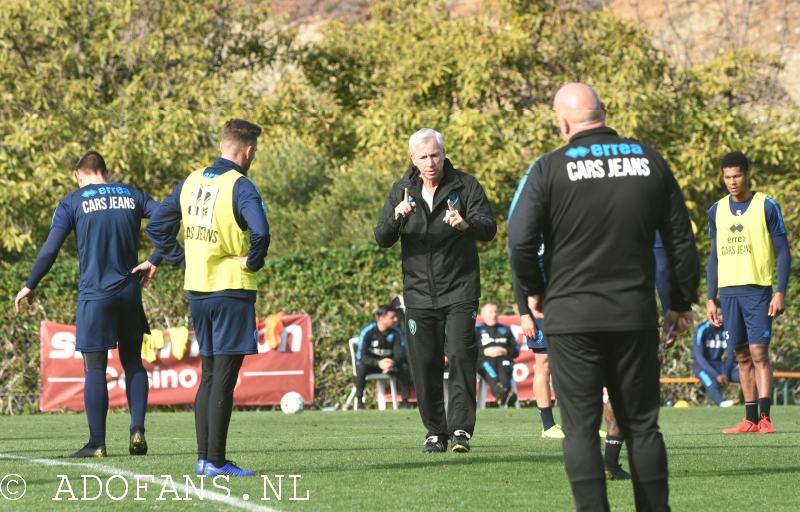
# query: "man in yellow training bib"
{"type": "Point", "coordinates": [747, 234]}
{"type": "Point", "coordinates": [226, 237]}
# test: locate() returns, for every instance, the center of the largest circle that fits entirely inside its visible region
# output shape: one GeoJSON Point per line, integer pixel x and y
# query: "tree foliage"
{"type": "Point", "coordinates": [487, 83]}
{"type": "Point", "coordinates": [146, 82]}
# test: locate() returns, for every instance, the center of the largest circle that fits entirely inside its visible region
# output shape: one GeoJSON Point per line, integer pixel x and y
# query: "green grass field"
{"type": "Point", "coordinates": [371, 460]}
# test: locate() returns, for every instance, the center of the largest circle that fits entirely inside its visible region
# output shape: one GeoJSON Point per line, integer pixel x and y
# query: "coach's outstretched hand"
{"type": "Point", "coordinates": [146, 271]}
{"type": "Point", "coordinates": [777, 305]}
{"type": "Point", "coordinates": [675, 323]}
{"type": "Point", "coordinates": [452, 217]}
{"type": "Point", "coordinates": [405, 208]}
{"type": "Point", "coordinates": [23, 293]}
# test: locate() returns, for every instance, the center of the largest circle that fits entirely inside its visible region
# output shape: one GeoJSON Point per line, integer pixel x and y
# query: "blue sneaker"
{"type": "Point", "coordinates": [228, 469]}
{"type": "Point", "coordinates": [201, 467]}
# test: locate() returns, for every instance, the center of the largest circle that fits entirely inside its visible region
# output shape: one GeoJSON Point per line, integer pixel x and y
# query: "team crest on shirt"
{"type": "Point", "coordinates": [453, 198]}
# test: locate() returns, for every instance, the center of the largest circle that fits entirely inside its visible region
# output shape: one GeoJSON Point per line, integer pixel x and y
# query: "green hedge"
{"type": "Point", "coordinates": [338, 287]}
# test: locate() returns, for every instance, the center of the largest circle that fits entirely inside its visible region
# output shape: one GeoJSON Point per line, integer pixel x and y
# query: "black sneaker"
{"type": "Point", "coordinates": [90, 450]}
{"type": "Point", "coordinates": [404, 405]}
{"type": "Point", "coordinates": [138, 444]}
{"type": "Point", "coordinates": [511, 399]}
{"type": "Point", "coordinates": [617, 474]}
{"type": "Point", "coordinates": [500, 395]}
{"type": "Point", "coordinates": [434, 445]}
{"type": "Point", "coordinates": [460, 440]}
{"type": "Point", "coordinates": [360, 405]}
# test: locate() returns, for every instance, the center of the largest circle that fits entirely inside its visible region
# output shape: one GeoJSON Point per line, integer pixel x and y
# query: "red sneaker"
{"type": "Point", "coordinates": [742, 428]}
{"type": "Point", "coordinates": [764, 426]}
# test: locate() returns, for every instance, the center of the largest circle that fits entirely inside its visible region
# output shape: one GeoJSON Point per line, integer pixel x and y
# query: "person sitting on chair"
{"type": "Point", "coordinates": [497, 350]}
{"type": "Point", "coordinates": [381, 349]}
{"type": "Point", "coordinates": [708, 350]}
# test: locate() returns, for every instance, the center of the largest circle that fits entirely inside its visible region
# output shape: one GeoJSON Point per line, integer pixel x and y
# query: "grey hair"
{"type": "Point", "coordinates": [423, 135]}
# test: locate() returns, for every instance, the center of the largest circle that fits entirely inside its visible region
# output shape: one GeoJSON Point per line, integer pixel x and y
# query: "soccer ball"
{"type": "Point", "coordinates": [292, 403]}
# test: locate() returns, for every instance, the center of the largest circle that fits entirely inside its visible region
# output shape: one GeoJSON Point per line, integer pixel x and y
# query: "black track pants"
{"type": "Point", "coordinates": [627, 364]}
{"type": "Point", "coordinates": [426, 350]}
{"type": "Point", "coordinates": [496, 370]}
{"type": "Point", "coordinates": [213, 406]}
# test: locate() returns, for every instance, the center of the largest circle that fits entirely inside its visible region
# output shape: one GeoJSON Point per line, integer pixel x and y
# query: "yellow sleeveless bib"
{"type": "Point", "coordinates": [744, 245]}
{"type": "Point", "coordinates": [212, 235]}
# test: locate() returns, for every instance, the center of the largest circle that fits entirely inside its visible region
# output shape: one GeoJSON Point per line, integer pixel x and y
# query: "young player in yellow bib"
{"type": "Point", "coordinates": [226, 237]}
{"type": "Point", "coordinates": [747, 234]}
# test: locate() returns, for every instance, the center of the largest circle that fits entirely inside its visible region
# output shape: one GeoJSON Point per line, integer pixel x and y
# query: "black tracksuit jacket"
{"type": "Point", "coordinates": [596, 204]}
{"type": "Point", "coordinates": [440, 263]}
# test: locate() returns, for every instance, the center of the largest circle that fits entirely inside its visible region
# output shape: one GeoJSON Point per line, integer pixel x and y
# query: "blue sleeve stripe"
{"type": "Point", "coordinates": [519, 190]}
{"type": "Point", "coordinates": [402, 340]}
{"type": "Point", "coordinates": [364, 332]}
{"type": "Point", "coordinates": [712, 221]}
{"type": "Point", "coordinates": [700, 334]}
{"type": "Point", "coordinates": [781, 225]}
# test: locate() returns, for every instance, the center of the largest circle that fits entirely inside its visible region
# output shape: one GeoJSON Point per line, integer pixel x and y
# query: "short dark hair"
{"type": "Point", "coordinates": [91, 163]}
{"type": "Point", "coordinates": [240, 132]}
{"type": "Point", "coordinates": [490, 303]}
{"type": "Point", "coordinates": [736, 159]}
{"type": "Point", "coordinates": [384, 309]}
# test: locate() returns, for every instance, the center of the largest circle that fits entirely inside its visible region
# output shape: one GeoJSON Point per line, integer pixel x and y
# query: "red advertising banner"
{"type": "Point", "coordinates": [264, 378]}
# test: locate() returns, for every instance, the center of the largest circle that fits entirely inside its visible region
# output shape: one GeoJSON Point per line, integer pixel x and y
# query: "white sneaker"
{"type": "Point", "coordinates": [726, 403]}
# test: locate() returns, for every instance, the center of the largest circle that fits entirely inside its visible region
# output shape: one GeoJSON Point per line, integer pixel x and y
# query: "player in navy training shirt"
{"type": "Point", "coordinates": [707, 350]}
{"type": "Point", "coordinates": [382, 349]}
{"type": "Point", "coordinates": [106, 218]}
{"type": "Point", "coordinates": [497, 348]}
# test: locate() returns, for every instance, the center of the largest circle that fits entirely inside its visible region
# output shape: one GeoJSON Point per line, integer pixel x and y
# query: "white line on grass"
{"type": "Point", "coordinates": [108, 470]}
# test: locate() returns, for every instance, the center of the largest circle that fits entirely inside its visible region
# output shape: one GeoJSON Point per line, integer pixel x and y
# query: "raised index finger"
{"type": "Point", "coordinates": [406, 196]}
{"type": "Point", "coordinates": [450, 205]}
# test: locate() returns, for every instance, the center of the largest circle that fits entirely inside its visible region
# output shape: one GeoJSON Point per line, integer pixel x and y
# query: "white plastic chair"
{"type": "Point", "coordinates": [379, 378]}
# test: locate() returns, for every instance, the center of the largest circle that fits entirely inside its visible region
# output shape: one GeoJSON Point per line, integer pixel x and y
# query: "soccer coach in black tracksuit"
{"type": "Point", "coordinates": [438, 212]}
{"type": "Point", "coordinates": [596, 204]}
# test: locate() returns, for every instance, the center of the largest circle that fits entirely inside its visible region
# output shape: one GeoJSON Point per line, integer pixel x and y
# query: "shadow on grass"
{"type": "Point", "coordinates": [433, 461]}
{"type": "Point", "coordinates": [746, 472]}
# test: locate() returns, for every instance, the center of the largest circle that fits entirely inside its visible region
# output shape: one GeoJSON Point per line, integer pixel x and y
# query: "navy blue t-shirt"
{"type": "Point", "coordinates": [708, 349]}
{"type": "Point", "coordinates": [775, 226]}
{"type": "Point", "coordinates": [106, 219]}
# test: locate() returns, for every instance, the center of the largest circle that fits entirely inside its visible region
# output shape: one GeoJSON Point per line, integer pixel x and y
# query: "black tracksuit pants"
{"type": "Point", "coordinates": [427, 348]}
{"type": "Point", "coordinates": [400, 373]}
{"type": "Point", "coordinates": [213, 406]}
{"type": "Point", "coordinates": [627, 364]}
{"type": "Point", "coordinates": [496, 370]}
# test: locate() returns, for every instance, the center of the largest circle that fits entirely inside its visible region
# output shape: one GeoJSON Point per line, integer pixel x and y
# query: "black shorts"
{"type": "Point", "coordinates": [101, 323]}
{"type": "Point", "coordinates": [225, 326]}
{"type": "Point", "coordinates": [539, 345]}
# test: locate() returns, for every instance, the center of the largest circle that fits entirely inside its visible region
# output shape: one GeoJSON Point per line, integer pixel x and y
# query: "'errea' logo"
{"type": "Point", "coordinates": [106, 191]}
{"type": "Point", "coordinates": [578, 152]}
{"type": "Point", "coordinates": [736, 228]}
